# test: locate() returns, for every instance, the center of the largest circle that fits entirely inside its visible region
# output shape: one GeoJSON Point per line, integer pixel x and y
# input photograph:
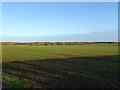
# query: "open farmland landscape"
{"type": "Point", "coordinates": [59, 44]}
{"type": "Point", "coordinates": [60, 66]}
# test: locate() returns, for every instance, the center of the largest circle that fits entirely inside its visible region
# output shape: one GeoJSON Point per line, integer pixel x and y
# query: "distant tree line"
{"type": "Point", "coordinates": [55, 43]}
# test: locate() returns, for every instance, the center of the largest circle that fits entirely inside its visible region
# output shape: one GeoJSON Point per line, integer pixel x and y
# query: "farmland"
{"type": "Point", "coordinates": [76, 66]}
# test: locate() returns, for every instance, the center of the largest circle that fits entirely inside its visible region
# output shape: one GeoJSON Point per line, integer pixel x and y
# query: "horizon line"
{"type": "Point", "coordinates": [57, 41]}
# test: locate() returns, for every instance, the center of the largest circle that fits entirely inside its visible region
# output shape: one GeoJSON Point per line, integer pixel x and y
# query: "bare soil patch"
{"type": "Point", "coordinates": [67, 55]}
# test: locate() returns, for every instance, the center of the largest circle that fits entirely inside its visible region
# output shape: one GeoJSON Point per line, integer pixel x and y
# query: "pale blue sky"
{"type": "Point", "coordinates": [38, 21]}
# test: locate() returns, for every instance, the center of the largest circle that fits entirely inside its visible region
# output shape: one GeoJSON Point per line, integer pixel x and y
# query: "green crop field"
{"type": "Point", "coordinates": [60, 66]}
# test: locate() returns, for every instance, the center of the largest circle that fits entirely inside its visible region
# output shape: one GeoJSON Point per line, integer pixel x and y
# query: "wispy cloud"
{"type": "Point", "coordinates": [60, 0]}
{"type": "Point", "coordinates": [106, 36]}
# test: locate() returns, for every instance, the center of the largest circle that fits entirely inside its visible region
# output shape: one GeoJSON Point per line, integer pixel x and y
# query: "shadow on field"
{"type": "Point", "coordinates": [80, 72]}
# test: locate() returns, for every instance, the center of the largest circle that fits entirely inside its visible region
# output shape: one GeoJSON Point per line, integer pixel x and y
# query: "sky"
{"type": "Point", "coordinates": [60, 21]}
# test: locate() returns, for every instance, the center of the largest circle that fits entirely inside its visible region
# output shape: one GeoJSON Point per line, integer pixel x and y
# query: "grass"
{"type": "Point", "coordinates": [14, 83]}
{"type": "Point", "coordinates": [15, 53]}
{"type": "Point", "coordinates": [60, 66]}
